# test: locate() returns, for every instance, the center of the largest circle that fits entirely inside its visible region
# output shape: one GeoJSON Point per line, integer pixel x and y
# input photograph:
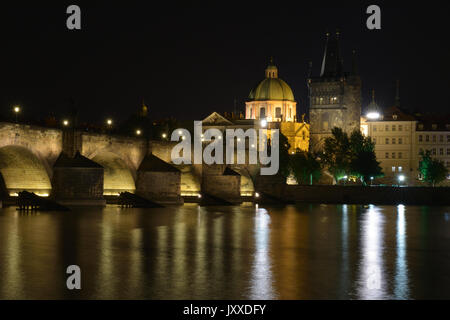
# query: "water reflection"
{"type": "Point", "coordinates": [261, 281]}
{"type": "Point", "coordinates": [372, 282]}
{"type": "Point", "coordinates": [401, 267]}
{"type": "Point", "coordinates": [241, 252]}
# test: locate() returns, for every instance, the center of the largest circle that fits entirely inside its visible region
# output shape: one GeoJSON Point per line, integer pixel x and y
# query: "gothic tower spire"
{"type": "Point", "coordinates": [332, 62]}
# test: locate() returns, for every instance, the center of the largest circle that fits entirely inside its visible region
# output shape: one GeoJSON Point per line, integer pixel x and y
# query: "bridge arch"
{"type": "Point", "coordinates": [21, 169]}
{"type": "Point", "coordinates": [118, 176]}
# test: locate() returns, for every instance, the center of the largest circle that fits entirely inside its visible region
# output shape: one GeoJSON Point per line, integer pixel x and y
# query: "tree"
{"type": "Point", "coordinates": [363, 163]}
{"type": "Point", "coordinates": [336, 154]}
{"type": "Point", "coordinates": [305, 167]}
{"type": "Point", "coordinates": [354, 156]}
{"type": "Point", "coordinates": [432, 170]}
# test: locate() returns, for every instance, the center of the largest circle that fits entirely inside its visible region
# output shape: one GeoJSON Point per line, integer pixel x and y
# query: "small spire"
{"type": "Point", "coordinates": [309, 69]}
{"type": "Point", "coordinates": [144, 109]}
{"type": "Point", "coordinates": [397, 94]}
{"type": "Point", "coordinates": [354, 64]}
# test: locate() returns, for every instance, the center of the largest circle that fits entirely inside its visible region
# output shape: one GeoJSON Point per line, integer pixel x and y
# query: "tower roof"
{"type": "Point", "coordinates": [332, 62]}
{"type": "Point", "coordinates": [373, 106]}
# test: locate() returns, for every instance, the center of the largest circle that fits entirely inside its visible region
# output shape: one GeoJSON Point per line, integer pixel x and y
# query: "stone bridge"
{"type": "Point", "coordinates": [28, 154]}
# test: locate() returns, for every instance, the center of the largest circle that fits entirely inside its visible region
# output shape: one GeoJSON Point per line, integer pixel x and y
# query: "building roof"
{"type": "Point", "coordinates": [396, 114]}
{"type": "Point", "coordinates": [272, 87]}
{"type": "Point", "coordinates": [152, 163]}
{"type": "Point", "coordinates": [432, 122]}
{"type": "Point", "coordinates": [78, 161]}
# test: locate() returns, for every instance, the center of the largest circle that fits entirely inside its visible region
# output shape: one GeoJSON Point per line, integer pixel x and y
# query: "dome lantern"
{"type": "Point", "coordinates": [271, 70]}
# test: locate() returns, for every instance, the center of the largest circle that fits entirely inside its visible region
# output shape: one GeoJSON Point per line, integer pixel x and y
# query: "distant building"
{"type": "Point", "coordinates": [334, 96]}
{"type": "Point", "coordinates": [400, 136]}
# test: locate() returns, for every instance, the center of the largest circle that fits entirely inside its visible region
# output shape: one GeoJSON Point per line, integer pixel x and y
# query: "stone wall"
{"type": "Point", "coordinates": [224, 187]}
{"type": "Point", "coordinates": [78, 185]}
{"type": "Point", "coordinates": [161, 187]}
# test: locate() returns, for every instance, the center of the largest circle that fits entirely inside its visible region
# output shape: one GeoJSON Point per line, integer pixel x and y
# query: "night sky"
{"type": "Point", "coordinates": [189, 60]}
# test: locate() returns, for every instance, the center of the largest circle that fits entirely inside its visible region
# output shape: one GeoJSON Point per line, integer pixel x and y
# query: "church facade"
{"type": "Point", "coordinates": [334, 96]}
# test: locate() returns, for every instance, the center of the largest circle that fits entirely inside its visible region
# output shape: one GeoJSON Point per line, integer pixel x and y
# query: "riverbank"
{"type": "Point", "coordinates": [360, 195]}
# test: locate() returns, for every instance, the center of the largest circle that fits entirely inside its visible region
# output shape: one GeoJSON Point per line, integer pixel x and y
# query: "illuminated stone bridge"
{"type": "Point", "coordinates": [28, 154]}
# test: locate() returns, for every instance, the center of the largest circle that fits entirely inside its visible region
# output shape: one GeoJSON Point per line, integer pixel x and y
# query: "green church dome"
{"type": "Point", "coordinates": [272, 87]}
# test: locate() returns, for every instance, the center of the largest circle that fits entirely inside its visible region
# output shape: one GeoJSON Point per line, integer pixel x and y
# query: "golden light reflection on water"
{"type": "Point", "coordinates": [191, 252]}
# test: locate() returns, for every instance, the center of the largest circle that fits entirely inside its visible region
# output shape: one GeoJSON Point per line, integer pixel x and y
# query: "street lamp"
{"type": "Point", "coordinates": [401, 178]}
{"type": "Point", "coordinates": [109, 122]}
{"type": "Point", "coordinates": [66, 123]}
{"type": "Point", "coordinates": [371, 180]}
{"type": "Point", "coordinates": [138, 132]}
{"type": "Point", "coordinates": [16, 111]}
{"type": "Point", "coordinates": [164, 135]}
{"type": "Point", "coordinates": [263, 123]}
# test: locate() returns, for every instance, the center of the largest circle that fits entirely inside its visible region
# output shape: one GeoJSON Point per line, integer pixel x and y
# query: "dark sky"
{"type": "Point", "coordinates": [189, 60]}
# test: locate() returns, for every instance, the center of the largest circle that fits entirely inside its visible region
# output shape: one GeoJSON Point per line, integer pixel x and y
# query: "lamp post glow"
{"type": "Point", "coordinates": [373, 115]}
{"type": "Point", "coordinates": [263, 123]}
{"type": "Point", "coordinates": [138, 132]}
{"type": "Point", "coordinates": [401, 178]}
{"type": "Point", "coordinates": [66, 123]}
{"type": "Point", "coordinates": [16, 111]}
{"type": "Point", "coordinates": [109, 122]}
{"type": "Point", "coordinates": [164, 135]}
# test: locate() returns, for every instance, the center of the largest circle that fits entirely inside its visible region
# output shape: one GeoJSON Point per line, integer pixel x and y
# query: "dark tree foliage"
{"type": "Point", "coordinates": [354, 156]}
{"type": "Point", "coordinates": [305, 167]}
{"type": "Point", "coordinates": [336, 156]}
{"type": "Point", "coordinates": [433, 171]}
{"type": "Point", "coordinates": [363, 163]}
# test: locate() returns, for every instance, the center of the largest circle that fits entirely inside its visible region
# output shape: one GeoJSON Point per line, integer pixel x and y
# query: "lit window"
{"type": "Point", "coordinates": [393, 169]}
{"type": "Point", "coordinates": [400, 169]}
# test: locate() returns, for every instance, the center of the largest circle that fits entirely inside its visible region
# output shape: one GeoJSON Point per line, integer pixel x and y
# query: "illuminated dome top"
{"type": "Point", "coordinates": [272, 87]}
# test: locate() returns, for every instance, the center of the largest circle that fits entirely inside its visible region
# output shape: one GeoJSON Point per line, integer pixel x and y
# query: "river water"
{"type": "Point", "coordinates": [240, 252]}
